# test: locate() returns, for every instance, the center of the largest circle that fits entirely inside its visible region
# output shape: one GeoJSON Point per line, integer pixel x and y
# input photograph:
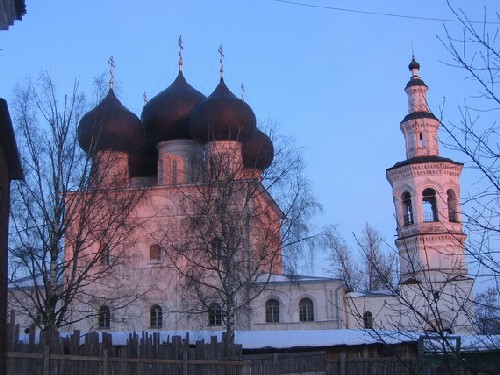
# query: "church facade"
{"type": "Point", "coordinates": [201, 241]}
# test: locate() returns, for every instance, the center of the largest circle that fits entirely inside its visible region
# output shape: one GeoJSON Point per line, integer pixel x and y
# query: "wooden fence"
{"type": "Point", "coordinates": [146, 354]}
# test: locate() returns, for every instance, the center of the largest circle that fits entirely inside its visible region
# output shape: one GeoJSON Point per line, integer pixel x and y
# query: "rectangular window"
{"type": "Point", "coordinates": [104, 254]}
{"type": "Point", "coordinates": [214, 315]}
{"type": "Point", "coordinates": [155, 252]}
{"type": "Point", "coordinates": [174, 172]}
{"type": "Point", "coordinates": [272, 311]}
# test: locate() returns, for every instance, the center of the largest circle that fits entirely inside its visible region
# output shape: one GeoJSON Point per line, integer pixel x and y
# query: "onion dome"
{"type": "Point", "coordinates": [258, 151]}
{"type": "Point", "coordinates": [413, 64]}
{"type": "Point", "coordinates": [165, 116]}
{"type": "Point", "coordinates": [110, 126]}
{"type": "Point", "coordinates": [222, 117]}
{"type": "Point", "coordinates": [415, 79]}
{"type": "Point", "coordinates": [144, 162]}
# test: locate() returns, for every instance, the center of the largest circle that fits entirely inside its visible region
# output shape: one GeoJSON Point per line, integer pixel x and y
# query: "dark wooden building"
{"type": "Point", "coordinates": [10, 169]}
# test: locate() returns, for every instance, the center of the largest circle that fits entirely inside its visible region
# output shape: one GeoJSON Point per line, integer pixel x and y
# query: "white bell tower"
{"type": "Point", "coordinates": [426, 191]}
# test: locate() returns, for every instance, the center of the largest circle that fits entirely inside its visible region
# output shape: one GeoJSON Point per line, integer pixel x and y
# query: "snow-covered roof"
{"type": "Point", "coordinates": [30, 282]}
{"type": "Point", "coordinates": [281, 278]}
{"type": "Point", "coordinates": [371, 293]}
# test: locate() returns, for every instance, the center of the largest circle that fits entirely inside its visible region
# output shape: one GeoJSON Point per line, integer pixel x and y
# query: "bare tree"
{"type": "Point", "coordinates": [488, 311]}
{"type": "Point", "coordinates": [475, 134]}
{"type": "Point", "coordinates": [60, 218]}
{"type": "Point", "coordinates": [236, 235]}
{"type": "Point", "coordinates": [379, 266]}
{"type": "Point", "coordinates": [342, 260]}
{"type": "Point", "coordinates": [376, 268]}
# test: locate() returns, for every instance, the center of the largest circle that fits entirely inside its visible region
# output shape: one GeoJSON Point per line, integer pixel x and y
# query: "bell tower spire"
{"type": "Point", "coordinates": [420, 136]}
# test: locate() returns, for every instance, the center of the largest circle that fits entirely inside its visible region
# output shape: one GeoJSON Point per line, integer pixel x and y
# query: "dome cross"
{"type": "Point", "coordinates": [111, 63]}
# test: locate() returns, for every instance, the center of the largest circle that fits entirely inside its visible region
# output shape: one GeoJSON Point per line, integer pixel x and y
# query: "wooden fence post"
{"type": "Point", "coordinates": [46, 358]}
{"type": "Point", "coordinates": [342, 363]}
{"type": "Point", "coordinates": [185, 355]}
{"type": "Point", "coordinates": [275, 363]}
{"type": "Point", "coordinates": [246, 369]}
{"type": "Point", "coordinates": [105, 362]}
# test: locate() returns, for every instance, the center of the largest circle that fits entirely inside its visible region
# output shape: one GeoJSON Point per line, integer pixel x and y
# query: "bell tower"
{"type": "Point", "coordinates": [426, 192]}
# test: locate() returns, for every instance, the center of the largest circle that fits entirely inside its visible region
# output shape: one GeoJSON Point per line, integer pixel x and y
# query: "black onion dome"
{"type": "Point", "coordinates": [110, 126]}
{"type": "Point", "coordinates": [165, 116]}
{"type": "Point", "coordinates": [222, 116]}
{"type": "Point", "coordinates": [414, 81]}
{"type": "Point", "coordinates": [258, 151]}
{"type": "Point", "coordinates": [413, 64]}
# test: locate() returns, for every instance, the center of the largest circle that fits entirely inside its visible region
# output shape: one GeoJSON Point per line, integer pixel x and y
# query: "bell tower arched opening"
{"type": "Point", "coordinates": [429, 205]}
{"type": "Point", "coordinates": [407, 208]}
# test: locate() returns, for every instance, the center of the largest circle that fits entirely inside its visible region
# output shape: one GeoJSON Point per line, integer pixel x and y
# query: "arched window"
{"type": "Point", "coordinates": [407, 208]}
{"type": "Point", "coordinates": [452, 206]}
{"type": "Point", "coordinates": [306, 310]}
{"type": "Point", "coordinates": [155, 252]}
{"type": "Point", "coordinates": [368, 320]}
{"type": "Point", "coordinates": [217, 250]}
{"type": "Point", "coordinates": [40, 320]}
{"type": "Point", "coordinates": [429, 205]}
{"type": "Point", "coordinates": [104, 254]}
{"type": "Point", "coordinates": [421, 142]}
{"type": "Point", "coordinates": [156, 316]}
{"type": "Point", "coordinates": [174, 171]}
{"type": "Point", "coordinates": [104, 317]}
{"type": "Point", "coordinates": [214, 315]}
{"type": "Point", "coordinates": [272, 311]}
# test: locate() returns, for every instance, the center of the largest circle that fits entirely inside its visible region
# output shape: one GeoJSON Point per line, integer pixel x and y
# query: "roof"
{"type": "Point", "coordinates": [415, 82]}
{"type": "Point", "coordinates": [8, 143]}
{"type": "Point", "coordinates": [372, 293]}
{"type": "Point", "coordinates": [424, 159]}
{"type": "Point", "coordinates": [10, 11]}
{"type": "Point", "coordinates": [419, 115]}
{"type": "Point", "coordinates": [31, 282]}
{"type": "Point", "coordinates": [284, 279]}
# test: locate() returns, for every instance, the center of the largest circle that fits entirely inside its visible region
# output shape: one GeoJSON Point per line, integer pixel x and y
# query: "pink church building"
{"type": "Point", "coordinates": [185, 235]}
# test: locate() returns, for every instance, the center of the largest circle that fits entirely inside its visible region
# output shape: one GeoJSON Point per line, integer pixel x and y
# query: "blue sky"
{"type": "Point", "coordinates": [332, 79]}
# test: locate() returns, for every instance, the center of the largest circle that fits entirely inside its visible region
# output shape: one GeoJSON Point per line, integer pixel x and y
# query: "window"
{"type": "Point", "coordinates": [421, 140]}
{"type": "Point", "coordinates": [436, 295]}
{"type": "Point", "coordinates": [217, 251]}
{"type": "Point", "coordinates": [160, 172]}
{"type": "Point", "coordinates": [155, 252]}
{"type": "Point", "coordinates": [272, 311]}
{"type": "Point", "coordinates": [429, 205]}
{"type": "Point", "coordinates": [156, 316]}
{"type": "Point", "coordinates": [214, 315]}
{"type": "Point", "coordinates": [368, 320]}
{"type": "Point", "coordinates": [40, 320]}
{"type": "Point", "coordinates": [452, 206]}
{"type": "Point", "coordinates": [407, 208]}
{"type": "Point", "coordinates": [104, 254]}
{"type": "Point", "coordinates": [174, 171]}
{"type": "Point", "coordinates": [104, 317]}
{"type": "Point", "coordinates": [306, 310]}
